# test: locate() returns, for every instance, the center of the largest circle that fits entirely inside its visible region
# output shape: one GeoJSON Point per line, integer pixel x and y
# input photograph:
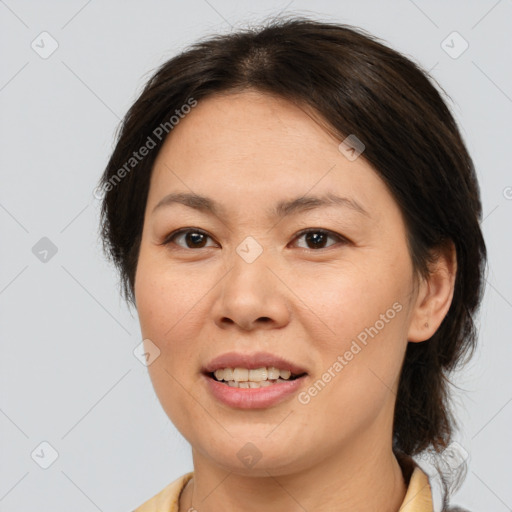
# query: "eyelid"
{"type": "Point", "coordinates": [324, 231]}
{"type": "Point", "coordinates": [332, 234]}
{"type": "Point", "coordinates": [168, 239]}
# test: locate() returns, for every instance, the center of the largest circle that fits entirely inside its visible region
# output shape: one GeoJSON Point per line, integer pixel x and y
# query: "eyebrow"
{"type": "Point", "coordinates": [280, 210]}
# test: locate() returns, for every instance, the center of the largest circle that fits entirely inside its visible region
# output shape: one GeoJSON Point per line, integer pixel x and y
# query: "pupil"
{"type": "Point", "coordinates": [316, 238]}
{"type": "Point", "coordinates": [195, 238]}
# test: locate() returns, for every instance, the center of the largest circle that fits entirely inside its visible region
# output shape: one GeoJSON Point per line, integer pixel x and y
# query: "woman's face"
{"type": "Point", "coordinates": [336, 303]}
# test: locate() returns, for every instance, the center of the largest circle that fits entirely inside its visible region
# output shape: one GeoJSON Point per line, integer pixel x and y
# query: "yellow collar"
{"type": "Point", "coordinates": [418, 497]}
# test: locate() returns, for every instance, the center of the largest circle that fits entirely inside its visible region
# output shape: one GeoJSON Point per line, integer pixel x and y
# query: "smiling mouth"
{"type": "Point", "coordinates": [253, 378]}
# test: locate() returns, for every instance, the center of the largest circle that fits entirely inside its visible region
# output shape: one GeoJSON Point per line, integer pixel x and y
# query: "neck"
{"type": "Point", "coordinates": [360, 478]}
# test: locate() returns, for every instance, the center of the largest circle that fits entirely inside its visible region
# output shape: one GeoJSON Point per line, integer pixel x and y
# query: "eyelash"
{"type": "Point", "coordinates": [169, 238]}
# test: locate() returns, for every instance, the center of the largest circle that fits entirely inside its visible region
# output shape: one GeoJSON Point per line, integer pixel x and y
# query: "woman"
{"type": "Point", "coordinates": [295, 216]}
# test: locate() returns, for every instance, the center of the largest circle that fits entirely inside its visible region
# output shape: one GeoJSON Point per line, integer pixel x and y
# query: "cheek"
{"type": "Point", "coordinates": [361, 319]}
{"type": "Point", "coordinates": [346, 301]}
{"type": "Point", "coordinates": [163, 295]}
{"type": "Point", "coordinates": [169, 311]}
{"type": "Point", "coordinates": [173, 308]}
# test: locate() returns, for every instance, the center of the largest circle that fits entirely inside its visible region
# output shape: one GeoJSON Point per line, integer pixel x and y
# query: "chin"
{"type": "Point", "coordinates": [257, 456]}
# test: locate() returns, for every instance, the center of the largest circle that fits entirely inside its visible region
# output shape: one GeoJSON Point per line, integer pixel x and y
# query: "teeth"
{"type": "Point", "coordinates": [228, 374]}
{"type": "Point", "coordinates": [253, 378]}
{"type": "Point", "coordinates": [258, 374]}
{"type": "Point", "coordinates": [254, 375]}
{"type": "Point", "coordinates": [250, 384]}
{"type": "Point", "coordinates": [240, 374]}
{"type": "Point", "coordinates": [273, 373]}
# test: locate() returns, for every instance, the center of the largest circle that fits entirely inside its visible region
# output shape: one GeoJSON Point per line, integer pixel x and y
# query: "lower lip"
{"type": "Point", "coordinates": [253, 398]}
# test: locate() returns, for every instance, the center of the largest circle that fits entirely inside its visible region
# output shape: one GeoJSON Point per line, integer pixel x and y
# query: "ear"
{"type": "Point", "coordinates": [434, 295]}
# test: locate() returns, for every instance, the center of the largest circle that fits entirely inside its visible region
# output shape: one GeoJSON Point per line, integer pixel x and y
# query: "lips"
{"type": "Point", "coordinates": [244, 393]}
{"type": "Point", "coordinates": [252, 361]}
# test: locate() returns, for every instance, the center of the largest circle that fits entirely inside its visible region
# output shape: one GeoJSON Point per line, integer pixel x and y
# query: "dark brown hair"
{"type": "Point", "coordinates": [356, 85]}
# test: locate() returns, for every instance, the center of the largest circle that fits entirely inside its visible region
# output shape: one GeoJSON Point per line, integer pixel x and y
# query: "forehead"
{"type": "Point", "coordinates": [249, 124]}
{"type": "Point", "coordinates": [252, 147]}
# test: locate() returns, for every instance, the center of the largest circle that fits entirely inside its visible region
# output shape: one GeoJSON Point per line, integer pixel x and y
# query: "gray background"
{"type": "Point", "coordinates": [67, 369]}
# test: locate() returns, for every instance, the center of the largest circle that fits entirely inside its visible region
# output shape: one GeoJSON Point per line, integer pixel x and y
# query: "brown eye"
{"type": "Point", "coordinates": [317, 238]}
{"type": "Point", "coordinates": [192, 238]}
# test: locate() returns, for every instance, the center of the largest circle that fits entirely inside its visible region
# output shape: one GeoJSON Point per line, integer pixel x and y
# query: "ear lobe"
{"type": "Point", "coordinates": [435, 295]}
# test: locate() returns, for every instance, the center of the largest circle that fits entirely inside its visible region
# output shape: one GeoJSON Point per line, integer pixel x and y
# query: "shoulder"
{"type": "Point", "coordinates": [167, 499]}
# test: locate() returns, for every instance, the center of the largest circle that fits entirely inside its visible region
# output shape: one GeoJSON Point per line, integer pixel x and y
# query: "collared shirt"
{"type": "Point", "coordinates": [418, 497]}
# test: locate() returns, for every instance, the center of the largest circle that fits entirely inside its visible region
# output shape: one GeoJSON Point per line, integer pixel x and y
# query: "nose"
{"type": "Point", "coordinates": [251, 296]}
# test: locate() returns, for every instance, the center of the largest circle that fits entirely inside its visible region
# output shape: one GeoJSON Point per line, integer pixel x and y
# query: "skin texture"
{"type": "Point", "coordinates": [248, 151]}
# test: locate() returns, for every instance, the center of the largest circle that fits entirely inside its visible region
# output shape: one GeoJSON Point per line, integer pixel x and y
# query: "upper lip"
{"type": "Point", "coordinates": [252, 361]}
